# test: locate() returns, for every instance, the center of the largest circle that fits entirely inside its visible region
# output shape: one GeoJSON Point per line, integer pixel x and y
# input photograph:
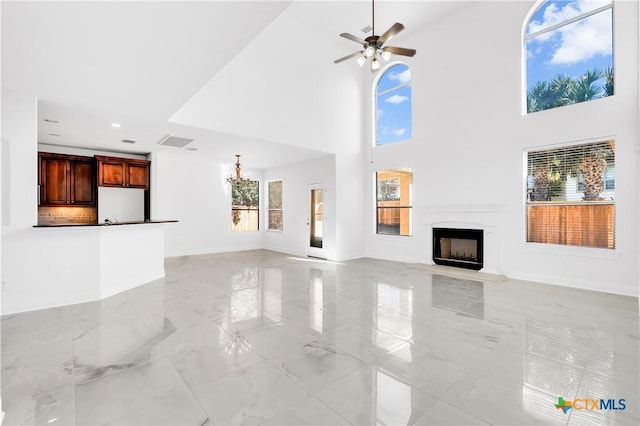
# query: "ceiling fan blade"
{"type": "Point", "coordinates": [353, 38]}
{"type": "Point", "coordinates": [349, 56]}
{"type": "Point", "coordinates": [400, 51]}
{"type": "Point", "coordinates": [393, 30]}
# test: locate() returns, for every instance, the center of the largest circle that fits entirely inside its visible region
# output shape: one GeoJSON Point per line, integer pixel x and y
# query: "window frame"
{"type": "Point", "coordinates": [374, 97]}
{"type": "Point", "coordinates": [570, 189]}
{"type": "Point", "coordinates": [256, 208]}
{"type": "Point", "coordinates": [270, 209]}
{"type": "Point", "coordinates": [526, 37]}
{"type": "Point", "coordinates": [408, 205]}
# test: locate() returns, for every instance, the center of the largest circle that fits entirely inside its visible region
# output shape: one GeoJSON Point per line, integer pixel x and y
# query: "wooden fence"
{"type": "Point", "coordinates": [579, 224]}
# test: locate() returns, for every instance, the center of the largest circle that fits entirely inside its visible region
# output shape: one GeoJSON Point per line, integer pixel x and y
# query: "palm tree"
{"type": "Point", "coordinates": [547, 178]}
{"type": "Point", "coordinates": [561, 90]}
{"type": "Point", "coordinates": [536, 97]}
{"type": "Point", "coordinates": [584, 88]}
{"type": "Point", "coordinates": [550, 169]}
{"type": "Point", "coordinates": [592, 167]}
{"type": "Point", "coordinates": [608, 81]}
{"type": "Point", "coordinates": [566, 90]}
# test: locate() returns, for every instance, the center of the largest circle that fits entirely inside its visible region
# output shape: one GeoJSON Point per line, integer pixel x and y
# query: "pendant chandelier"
{"type": "Point", "coordinates": [239, 184]}
{"type": "Point", "coordinates": [237, 177]}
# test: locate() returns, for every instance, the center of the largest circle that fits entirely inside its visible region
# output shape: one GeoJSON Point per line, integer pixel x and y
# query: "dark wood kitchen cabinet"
{"type": "Point", "coordinates": [123, 172]}
{"type": "Point", "coordinates": [67, 180]}
{"type": "Point", "coordinates": [137, 174]}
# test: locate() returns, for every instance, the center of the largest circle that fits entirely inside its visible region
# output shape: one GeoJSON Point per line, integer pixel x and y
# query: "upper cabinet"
{"type": "Point", "coordinates": [137, 173]}
{"type": "Point", "coordinates": [67, 180]}
{"type": "Point", "coordinates": [111, 171]}
{"type": "Point", "coordinates": [123, 172]}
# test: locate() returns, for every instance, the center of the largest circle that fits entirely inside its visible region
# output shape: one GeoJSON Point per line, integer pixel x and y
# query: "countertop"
{"type": "Point", "coordinates": [73, 225]}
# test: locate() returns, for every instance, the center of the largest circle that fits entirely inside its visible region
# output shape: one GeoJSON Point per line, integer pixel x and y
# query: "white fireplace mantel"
{"type": "Point", "coordinates": [487, 217]}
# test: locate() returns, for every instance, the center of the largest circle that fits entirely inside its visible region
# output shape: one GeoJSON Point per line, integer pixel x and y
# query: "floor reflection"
{"type": "Point", "coordinates": [572, 362]}
{"type": "Point", "coordinates": [393, 400]}
{"type": "Point", "coordinates": [465, 297]}
{"type": "Point", "coordinates": [316, 299]}
{"type": "Point", "coordinates": [273, 291]}
{"type": "Point", "coordinates": [235, 344]}
{"type": "Point", "coordinates": [394, 309]}
{"type": "Point", "coordinates": [245, 295]}
{"type": "Point", "coordinates": [260, 338]}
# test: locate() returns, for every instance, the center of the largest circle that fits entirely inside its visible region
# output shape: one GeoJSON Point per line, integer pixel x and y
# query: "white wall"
{"type": "Point", "coordinates": [315, 105]}
{"type": "Point", "coordinates": [120, 204]}
{"type": "Point", "coordinates": [19, 141]}
{"type": "Point", "coordinates": [31, 274]}
{"type": "Point", "coordinates": [470, 136]}
{"type": "Point", "coordinates": [191, 188]}
{"type": "Point", "coordinates": [296, 178]}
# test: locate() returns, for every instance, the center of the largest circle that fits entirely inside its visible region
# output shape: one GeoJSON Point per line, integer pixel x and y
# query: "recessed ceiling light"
{"type": "Point", "coordinates": [54, 134]}
{"type": "Point", "coordinates": [48, 120]}
{"type": "Point", "coordinates": [115, 124]}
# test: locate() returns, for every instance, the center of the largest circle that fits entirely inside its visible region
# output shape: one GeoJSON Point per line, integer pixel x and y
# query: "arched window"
{"type": "Point", "coordinates": [393, 105]}
{"type": "Point", "coordinates": [569, 53]}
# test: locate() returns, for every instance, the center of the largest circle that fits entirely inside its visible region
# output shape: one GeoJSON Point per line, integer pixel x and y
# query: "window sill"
{"type": "Point", "coordinates": [392, 235]}
{"type": "Point", "coordinates": [576, 251]}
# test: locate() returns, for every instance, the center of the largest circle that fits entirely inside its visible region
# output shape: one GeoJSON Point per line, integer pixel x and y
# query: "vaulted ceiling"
{"type": "Point", "coordinates": [237, 76]}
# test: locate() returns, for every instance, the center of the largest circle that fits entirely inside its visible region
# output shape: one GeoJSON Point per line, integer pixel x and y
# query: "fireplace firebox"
{"type": "Point", "coordinates": [461, 248]}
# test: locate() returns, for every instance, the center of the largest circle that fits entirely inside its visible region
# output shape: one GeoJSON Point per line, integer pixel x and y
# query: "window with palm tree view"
{"type": "Point", "coordinates": [393, 105]}
{"type": "Point", "coordinates": [569, 53]}
{"type": "Point", "coordinates": [245, 205]}
{"type": "Point", "coordinates": [571, 195]}
{"type": "Point", "coordinates": [394, 201]}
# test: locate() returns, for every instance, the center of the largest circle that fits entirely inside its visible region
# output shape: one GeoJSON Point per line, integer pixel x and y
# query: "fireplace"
{"type": "Point", "coordinates": [462, 248]}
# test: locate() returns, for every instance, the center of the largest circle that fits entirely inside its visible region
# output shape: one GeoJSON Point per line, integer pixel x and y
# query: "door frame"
{"type": "Point", "coordinates": [315, 251]}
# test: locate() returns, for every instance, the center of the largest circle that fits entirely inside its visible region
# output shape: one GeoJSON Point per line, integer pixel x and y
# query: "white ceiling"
{"type": "Point", "coordinates": [138, 63]}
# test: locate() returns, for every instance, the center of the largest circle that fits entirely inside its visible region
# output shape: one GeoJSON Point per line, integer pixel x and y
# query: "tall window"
{"type": "Point", "coordinates": [245, 205]}
{"type": "Point", "coordinates": [569, 53]}
{"type": "Point", "coordinates": [571, 195]}
{"type": "Point", "coordinates": [393, 105]}
{"type": "Point", "coordinates": [275, 205]}
{"type": "Point", "coordinates": [394, 201]}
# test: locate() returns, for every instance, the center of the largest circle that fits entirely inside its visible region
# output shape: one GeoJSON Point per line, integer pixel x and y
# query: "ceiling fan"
{"type": "Point", "coordinates": [373, 46]}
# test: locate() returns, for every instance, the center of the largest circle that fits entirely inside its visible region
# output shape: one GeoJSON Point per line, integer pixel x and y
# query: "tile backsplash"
{"type": "Point", "coordinates": [67, 215]}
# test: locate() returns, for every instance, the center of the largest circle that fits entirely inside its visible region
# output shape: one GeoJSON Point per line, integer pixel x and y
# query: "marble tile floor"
{"type": "Point", "coordinates": [260, 337]}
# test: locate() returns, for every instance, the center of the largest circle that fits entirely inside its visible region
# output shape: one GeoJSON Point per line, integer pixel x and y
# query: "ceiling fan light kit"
{"type": "Point", "coordinates": [374, 48]}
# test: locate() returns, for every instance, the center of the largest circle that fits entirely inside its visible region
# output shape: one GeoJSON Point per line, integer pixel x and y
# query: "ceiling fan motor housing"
{"type": "Point", "coordinates": [373, 45]}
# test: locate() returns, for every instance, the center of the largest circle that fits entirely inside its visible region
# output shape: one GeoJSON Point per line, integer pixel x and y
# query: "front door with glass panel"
{"type": "Point", "coordinates": [315, 221]}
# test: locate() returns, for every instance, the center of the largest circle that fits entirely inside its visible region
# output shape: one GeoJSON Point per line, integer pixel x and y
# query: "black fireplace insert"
{"type": "Point", "coordinates": [462, 248]}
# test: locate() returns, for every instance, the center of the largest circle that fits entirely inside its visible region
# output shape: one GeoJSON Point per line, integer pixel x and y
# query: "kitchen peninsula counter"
{"type": "Point", "coordinates": [83, 263]}
{"type": "Point", "coordinates": [76, 225]}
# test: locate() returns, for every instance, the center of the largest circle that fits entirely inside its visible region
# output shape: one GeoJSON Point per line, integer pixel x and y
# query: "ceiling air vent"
{"type": "Point", "coordinates": [175, 141]}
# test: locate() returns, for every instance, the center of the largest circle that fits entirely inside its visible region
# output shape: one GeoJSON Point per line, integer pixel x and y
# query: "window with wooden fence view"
{"type": "Point", "coordinates": [394, 201]}
{"type": "Point", "coordinates": [571, 195]}
{"type": "Point", "coordinates": [275, 205]}
{"type": "Point", "coordinates": [244, 205]}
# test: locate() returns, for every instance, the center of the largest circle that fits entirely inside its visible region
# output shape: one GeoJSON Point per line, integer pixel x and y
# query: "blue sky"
{"type": "Point", "coordinates": [394, 105]}
{"type": "Point", "coordinates": [571, 49]}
